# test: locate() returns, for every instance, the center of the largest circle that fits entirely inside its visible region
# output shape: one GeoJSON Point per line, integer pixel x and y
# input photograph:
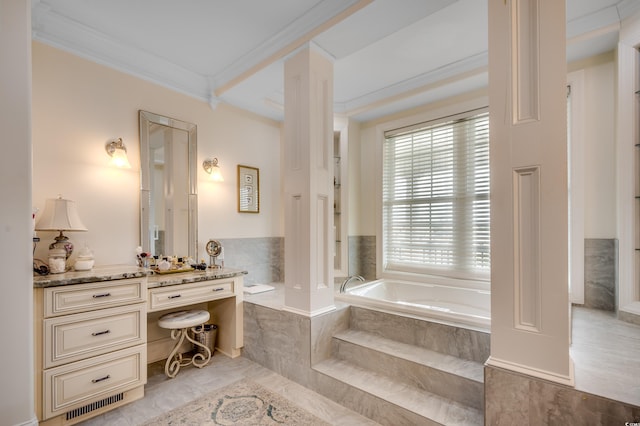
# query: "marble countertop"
{"type": "Point", "coordinates": [163, 280]}
{"type": "Point", "coordinates": [120, 272]}
{"type": "Point", "coordinates": [97, 274]}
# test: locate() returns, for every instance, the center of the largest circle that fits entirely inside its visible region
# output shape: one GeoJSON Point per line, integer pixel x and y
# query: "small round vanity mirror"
{"type": "Point", "coordinates": [214, 249]}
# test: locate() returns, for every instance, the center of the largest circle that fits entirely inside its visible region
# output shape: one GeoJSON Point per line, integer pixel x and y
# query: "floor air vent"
{"type": "Point", "coordinates": [94, 406]}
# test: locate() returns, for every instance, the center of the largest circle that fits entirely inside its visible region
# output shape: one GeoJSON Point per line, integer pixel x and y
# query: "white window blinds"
{"type": "Point", "coordinates": [436, 198]}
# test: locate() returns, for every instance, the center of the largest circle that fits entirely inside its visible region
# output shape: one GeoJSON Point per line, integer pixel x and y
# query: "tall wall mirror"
{"type": "Point", "coordinates": [168, 190]}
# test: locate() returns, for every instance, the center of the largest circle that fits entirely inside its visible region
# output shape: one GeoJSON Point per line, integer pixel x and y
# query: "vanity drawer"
{"type": "Point", "coordinates": [73, 337]}
{"type": "Point", "coordinates": [77, 384]}
{"type": "Point", "coordinates": [87, 297]}
{"type": "Point", "coordinates": [186, 294]}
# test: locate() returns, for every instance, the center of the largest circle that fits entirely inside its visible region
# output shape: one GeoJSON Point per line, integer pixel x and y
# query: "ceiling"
{"type": "Point", "coordinates": [389, 55]}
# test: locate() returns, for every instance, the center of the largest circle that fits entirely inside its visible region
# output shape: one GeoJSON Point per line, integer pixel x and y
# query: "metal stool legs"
{"type": "Point", "coordinates": [176, 360]}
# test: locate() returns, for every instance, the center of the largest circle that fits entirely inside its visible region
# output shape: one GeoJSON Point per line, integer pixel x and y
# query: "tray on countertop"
{"type": "Point", "coordinates": [173, 271]}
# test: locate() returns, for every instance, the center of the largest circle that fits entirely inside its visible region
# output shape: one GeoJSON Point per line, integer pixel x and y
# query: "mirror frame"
{"type": "Point", "coordinates": [146, 119]}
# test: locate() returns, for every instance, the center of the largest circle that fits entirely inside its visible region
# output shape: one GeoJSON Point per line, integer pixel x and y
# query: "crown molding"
{"type": "Point", "coordinates": [592, 22]}
{"type": "Point", "coordinates": [69, 35]}
{"type": "Point", "coordinates": [604, 18]}
{"type": "Point", "coordinates": [626, 8]}
{"type": "Point", "coordinates": [427, 81]}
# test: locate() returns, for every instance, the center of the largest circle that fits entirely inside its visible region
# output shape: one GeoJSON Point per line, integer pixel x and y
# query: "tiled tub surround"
{"type": "Point", "coordinates": [262, 258]}
{"type": "Point", "coordinates": [362, 256]}
{"type": "Point", "coordinates": [394, 370]}
{"type": "Point", "coordinates": [272, 336]}
{"type": "Point", "coordinates": [600, 273]}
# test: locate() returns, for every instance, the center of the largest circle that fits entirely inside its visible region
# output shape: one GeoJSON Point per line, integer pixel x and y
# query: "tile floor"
{"type": "Point", "coordinates": [163, 395]}
{"type": "Point", "coordinates": [606, 355]}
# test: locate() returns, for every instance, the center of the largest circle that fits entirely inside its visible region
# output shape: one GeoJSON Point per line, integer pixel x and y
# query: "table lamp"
{"type": "Point", "coordinates": [60, 215]}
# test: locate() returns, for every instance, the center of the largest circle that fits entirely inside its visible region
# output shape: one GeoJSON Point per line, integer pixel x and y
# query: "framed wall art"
{"type": "Point", "coordinates": [248, 189]}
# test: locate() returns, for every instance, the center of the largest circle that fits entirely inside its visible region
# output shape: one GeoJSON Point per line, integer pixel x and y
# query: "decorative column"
{"type": "Point", "coordinates": [308, 182]}
{"type": "Point", "coordinates": [530, 311]}
{"type": "Point", "coordinates": [17, 403]}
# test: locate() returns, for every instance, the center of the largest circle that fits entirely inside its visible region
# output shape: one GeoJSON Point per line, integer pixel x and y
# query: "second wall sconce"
{"type": "Point", "coordinates": [118, 153]}
{"type": "Point", "coordinates": [211, 166]}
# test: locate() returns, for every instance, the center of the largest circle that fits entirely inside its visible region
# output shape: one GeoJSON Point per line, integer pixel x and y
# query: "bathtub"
{"type": "Point", "coordinates": [460, 306]}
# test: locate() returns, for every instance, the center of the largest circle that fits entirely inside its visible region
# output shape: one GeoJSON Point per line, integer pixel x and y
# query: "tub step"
{"type": "Point", "coordinates": [389, 401]}
{"type": "Point", "coordinates": [453, 378]}
{"type": "Point", "coordinates": [465, 343]}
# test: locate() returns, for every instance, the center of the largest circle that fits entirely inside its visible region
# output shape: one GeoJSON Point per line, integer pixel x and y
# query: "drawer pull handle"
{"type": "Point", "coordinates": [97, 296]}
{"type": "Point", "coordinates": [100, 333]}
{"type": "Point", "coordinates": [101, 379]}
{"type": "Point", "coordinates": [174, 296]}
{"type": "Point", "coordinates": [218, 289]}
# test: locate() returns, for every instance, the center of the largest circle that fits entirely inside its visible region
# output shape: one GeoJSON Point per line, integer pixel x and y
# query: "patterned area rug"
{"type": "Point", "coordinates": [241, 403]}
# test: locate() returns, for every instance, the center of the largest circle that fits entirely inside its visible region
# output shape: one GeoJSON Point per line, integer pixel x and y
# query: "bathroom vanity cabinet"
{"type": "Point", "coordinates": [95, 332]}
{"type": "Point", "coordinates": [90, 343]}
{"type": "Point", "coordinates": [220, 291]}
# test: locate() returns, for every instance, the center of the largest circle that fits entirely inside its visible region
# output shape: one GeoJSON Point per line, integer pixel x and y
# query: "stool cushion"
{"type": "Point", "coordinates": [183, 319]}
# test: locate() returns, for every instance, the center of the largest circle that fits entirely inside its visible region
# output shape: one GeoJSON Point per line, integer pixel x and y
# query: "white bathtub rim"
{"type": "Point", "coordinates": [471, 284]}
{"type": "Point", "coordinates": [353, 287]}
{"type": "Point", "coordinates": [465, 320]}
{"type": "Point", "coordinates": [483, 326]}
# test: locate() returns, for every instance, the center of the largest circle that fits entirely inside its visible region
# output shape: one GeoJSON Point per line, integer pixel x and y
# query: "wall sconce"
{"type": "Point", "coordinates": [118, 153]}
{"type": "Point", "coordinates": [211, 166]}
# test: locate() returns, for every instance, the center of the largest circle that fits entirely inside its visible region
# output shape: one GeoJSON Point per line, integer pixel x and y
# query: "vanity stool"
{"type": "Point", "coordinates": [180, 323]}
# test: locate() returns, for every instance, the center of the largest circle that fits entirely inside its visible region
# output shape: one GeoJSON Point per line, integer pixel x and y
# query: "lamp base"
{"type": "Point", "coordinates": [62, 242]}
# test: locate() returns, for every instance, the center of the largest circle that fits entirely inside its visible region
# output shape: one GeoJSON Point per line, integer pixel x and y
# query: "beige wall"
{"type": "Point", "coordinates": [78, 106]}
{"type": "Point", "coordinates": [365, 222]}
{"type": "Point", "coordinates": [600, 148]}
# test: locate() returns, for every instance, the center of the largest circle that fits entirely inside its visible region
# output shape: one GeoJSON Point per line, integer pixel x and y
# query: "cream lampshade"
{"type": "Point", "coordinates": [60, 215]}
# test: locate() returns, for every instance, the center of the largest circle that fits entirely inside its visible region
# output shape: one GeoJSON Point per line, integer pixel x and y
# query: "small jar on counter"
{"type": "Point", "coordinates": [57, 261]}
{"type": "Point", "coordinates": [85, 261]}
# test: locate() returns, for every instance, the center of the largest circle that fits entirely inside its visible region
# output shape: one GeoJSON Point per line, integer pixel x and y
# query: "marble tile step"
{"type": "Point", "coordinates": [473, 345]}
{"type": "Point", "coordinates": [371, 388]}
{"type": "Point", "coordinates": [445, 375]}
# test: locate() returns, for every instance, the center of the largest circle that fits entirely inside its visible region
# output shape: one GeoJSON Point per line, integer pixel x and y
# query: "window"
{"type": "Point", "coordinates": [435, 194]}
